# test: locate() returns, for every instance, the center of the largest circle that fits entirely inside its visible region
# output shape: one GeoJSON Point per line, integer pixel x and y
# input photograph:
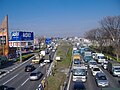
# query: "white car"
{"type": "Point", "coordinates": [46, 61]}
{"type": "Point", "coordinates": [92, 63]}
{"type": "Point", "coordinates": [42, 64]}
{"type": "Point", "coordinates": [95, 70]}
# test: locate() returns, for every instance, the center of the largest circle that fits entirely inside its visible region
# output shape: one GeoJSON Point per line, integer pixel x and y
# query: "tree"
{"type": "Point", "coordinates": [112, 26]}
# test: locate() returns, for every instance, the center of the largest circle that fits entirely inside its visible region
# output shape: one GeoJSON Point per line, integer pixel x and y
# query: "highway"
{"type": "Point", "coordinates": [90, 84]}
{"type": "Point", "coordinates": [19, 79]}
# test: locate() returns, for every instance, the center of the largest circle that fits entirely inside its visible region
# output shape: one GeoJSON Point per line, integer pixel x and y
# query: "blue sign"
{"type": "Point", "coordinates": [22, 36]}
{"type": "Point", "coordinates": [48, 40]}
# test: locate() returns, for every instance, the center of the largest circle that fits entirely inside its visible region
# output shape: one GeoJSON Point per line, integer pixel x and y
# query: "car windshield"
{"type": "Point", "coordinates": [102, 78]}
{"type": "Point", "coordinates": [93, 63]}
{"type": "Point", "coordinates": [117, 69]}
{"type": "Point", "coordinates": [96, 69]}
{"type": "Point", "coordinates": [79, 72]}
{"type": "Point", "coordinates": [88, 57]}
{"type": "Point", "coordinates": [76, 61]}
{"type": "Point", "coordinates": [101, 57]}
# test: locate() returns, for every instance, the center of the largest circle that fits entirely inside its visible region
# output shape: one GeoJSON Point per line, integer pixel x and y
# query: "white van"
{"type": "Point", "coordinates": [100, 58]}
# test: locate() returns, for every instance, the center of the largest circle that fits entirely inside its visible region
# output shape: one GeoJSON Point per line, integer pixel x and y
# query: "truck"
{"type": "Point", "coordinates": [87, 56]}
{"type": "Point", "coordinates": [76, 60]}
{"type": "Point", "coordinates": [100, 58]}
{"type": "Point", "coordinates": [114, 68]}
{"type": "Point", "coordinates": [43, 52]}
{"type": "Point", "coordinates": [37, 58]}
{"type": "Point", "coordinates": [47, 58]}
{"type": "Point", "coordinates": [79, 73]}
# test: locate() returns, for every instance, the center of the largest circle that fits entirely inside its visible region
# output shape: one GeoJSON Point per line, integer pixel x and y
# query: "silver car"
{"type": "Point", "coordinates": [35, 75]}
{"type": "Point", "coordinates": [101, 80]}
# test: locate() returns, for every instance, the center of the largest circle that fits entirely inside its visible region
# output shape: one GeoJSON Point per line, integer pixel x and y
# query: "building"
{"type": "Point", "coordinates": [4, 44]}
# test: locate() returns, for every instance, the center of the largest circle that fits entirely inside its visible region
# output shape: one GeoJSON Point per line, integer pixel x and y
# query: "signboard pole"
{"type": "Point", "coordinates": [20, 53]}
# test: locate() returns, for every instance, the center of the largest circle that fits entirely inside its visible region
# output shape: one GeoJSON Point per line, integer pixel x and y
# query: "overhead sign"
{"type": "Point", "coordinates": [22, 36]}
{"type": "Point", "coordinates": [48, 40]}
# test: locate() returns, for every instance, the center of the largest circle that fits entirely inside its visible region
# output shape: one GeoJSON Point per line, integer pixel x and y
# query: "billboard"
{"type": "Point", "coordinates": [22, 36]}
{"type": "Point", "coordinates": [48, 40]}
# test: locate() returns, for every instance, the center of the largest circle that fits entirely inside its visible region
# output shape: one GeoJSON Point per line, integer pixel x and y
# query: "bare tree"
{"type": "Point", "coordinates": [112, 26]}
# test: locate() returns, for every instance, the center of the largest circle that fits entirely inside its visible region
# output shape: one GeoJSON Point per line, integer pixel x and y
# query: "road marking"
{"type": "Point", "coordinates": [69, 81]}
{"type": "Point", "coordinates": [25, 82]}
{"type": "Point", "coordinates": [10, 79]}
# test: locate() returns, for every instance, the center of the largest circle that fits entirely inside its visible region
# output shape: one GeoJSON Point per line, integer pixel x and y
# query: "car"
{"type": "Point", "coordinates": [78, 86]}
{"type": "Point", "coordinates": [42, 64]}
{"type": "Point", "coordinates": [92, 63]}
{"type": "Point", "coordinates": [101, 80]}
{"type": "Point", "coordinates": [29, 68]}
{"type": "Point", "coordinates": [105, 65]}
{"type": "Point", "coordinates": [35, 75]}
{"type": "Point", "coordinates": [46, 61]}
{"type": "Point", "coordinates": [3, 87]}
{"type": "Point", "coordinates": [95, 70]}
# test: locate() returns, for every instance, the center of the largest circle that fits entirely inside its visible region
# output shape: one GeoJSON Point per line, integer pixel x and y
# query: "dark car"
{"type": "Point", "coordinates": [29, 68]}
{"type": "Point", "coordinates": [3, 87]}
{"type": "Point", "coordinates": [78, 86]}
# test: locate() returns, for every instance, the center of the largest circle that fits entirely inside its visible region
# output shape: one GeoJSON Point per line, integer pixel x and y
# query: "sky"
{"type": "Point", "coordinates": [59, 18]}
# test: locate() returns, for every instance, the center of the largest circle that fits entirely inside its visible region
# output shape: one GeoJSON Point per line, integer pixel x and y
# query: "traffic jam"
{"type": "Point", "coordinates": [87, 64]}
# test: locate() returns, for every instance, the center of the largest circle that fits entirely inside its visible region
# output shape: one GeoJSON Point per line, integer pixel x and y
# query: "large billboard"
{"type": "Point", "coordinates": [22, 36]}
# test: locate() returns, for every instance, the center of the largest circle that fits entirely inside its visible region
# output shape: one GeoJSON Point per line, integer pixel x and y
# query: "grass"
{"type": "Point", "coordinates": [57, 78]}
{"type": "Point", "coordinates": [25, 57]}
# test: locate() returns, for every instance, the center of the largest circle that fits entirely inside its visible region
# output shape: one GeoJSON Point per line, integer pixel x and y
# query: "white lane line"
{"type": "Point", "coordinates": [10, 79]}
{"type": "Point", "coordinates": [69, 81]}
{"type": "Point", "coordinates": [25, 82]}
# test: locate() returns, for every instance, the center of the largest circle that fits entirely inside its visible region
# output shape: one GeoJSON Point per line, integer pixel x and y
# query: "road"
{"type": "Point", "coordinates": [90, 84]}
{"type": "Point", "coordinates": [19, 79]}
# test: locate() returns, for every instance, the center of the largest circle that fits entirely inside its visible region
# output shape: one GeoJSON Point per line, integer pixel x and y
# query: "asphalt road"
{"type": "Point", "coordinates": [90, 84]}
{"type": "Point", "coordinates": [19, 79]}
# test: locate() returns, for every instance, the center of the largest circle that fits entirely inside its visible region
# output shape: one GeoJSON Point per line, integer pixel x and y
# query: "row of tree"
{"type": "Point", "coordinates": [108, 34]}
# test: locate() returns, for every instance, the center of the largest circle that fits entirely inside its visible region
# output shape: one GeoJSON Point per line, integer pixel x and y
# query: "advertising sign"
{"type": "Point", "coordinates": [48, 40]}
{"type": "Point", "coordinates": [22, 36]}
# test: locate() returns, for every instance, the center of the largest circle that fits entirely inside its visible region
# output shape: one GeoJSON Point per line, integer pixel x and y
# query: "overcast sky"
{"type": "Point", "coordinates": [57, 17]}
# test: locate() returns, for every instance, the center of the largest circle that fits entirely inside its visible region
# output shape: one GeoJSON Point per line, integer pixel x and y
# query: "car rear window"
{"type": "Point", "coordinates": [33, 74]}
{"type": "Point", "coordinates": [102, 78]}
{"type": "Point", "coordinates": [96, 69]}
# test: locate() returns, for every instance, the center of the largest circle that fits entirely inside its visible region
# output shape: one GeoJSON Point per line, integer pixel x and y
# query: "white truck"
{"type": "Point", "coordinates": [114, 68]}
{"type": "Point", "coordinates": [100, 58]}
{"type": "Point", "coordinates": [36, 59]}
{"type": "Point", "coordinates": [43, 52]}
{"type": "Point", "coordinates": [79, 73]}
